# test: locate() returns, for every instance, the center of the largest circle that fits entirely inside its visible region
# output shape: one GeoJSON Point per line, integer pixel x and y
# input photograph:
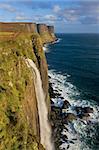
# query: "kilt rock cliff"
{"type": "Point", "coordinates": [24, 96]}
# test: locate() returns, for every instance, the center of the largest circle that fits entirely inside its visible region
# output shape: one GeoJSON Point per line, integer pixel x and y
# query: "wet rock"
{"type": "Point", "coordinates": [88, 110]}
{"type": "Point", "coordinates": [70, 117]}
{"type": "Point", "coordinates": [66, 105]}
{"type": "Point", "coordinates": [57, 110]}
{"type": "Point", "coordinates": [55, 91]}
{"type": "Point", "coordinates": [85, 116]}
{"type": "Point", "coordinates": [49, 77]}
{"type": "Point", "coordinates": [74, 139]}
{"type": "Point", "coordinates": [52, 103]}
{"type": "Point", "coordinates": [83, 113]}
{"type": "Point", "coordinates": [52, 115]}
{"type": "Point", "coordinates": [57, 94]}
{"type": "Point", "coordinates": [51, 91]}
{"type": "Point", "coordinates": [62, 97]}
{"type": "Point", "coordinates": [64, 137]}
{"type": "Point", "coordinates": [63, 149]}
{"type": "Point", "coordinates": [79, 110]}
{"type": "Point", "coordinates": [68, 147]}
{"type": "Point", "coordinates": [71, 142]}
{"type": "Point", "coordinates": [56, 115]}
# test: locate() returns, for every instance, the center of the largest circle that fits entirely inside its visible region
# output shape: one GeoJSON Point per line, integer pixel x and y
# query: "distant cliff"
{"type": "Point", "coordinates": [46, 32]}
{"type": "Point", "coordinates": [19, 117]}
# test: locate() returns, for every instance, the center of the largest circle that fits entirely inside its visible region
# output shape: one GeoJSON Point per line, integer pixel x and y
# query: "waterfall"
{"type": "Point", "coordinates": [45, 130]}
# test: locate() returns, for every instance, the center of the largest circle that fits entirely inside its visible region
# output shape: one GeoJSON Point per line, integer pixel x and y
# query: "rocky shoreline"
{"type": "Point", "coordinates": [61, 119]}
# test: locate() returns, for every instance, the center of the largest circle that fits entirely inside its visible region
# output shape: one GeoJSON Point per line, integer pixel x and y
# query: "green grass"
{"type": "Point", "coordinates": [15, 133]}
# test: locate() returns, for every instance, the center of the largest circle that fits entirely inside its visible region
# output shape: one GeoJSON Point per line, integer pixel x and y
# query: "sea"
{"type": "Point", "coordinates": [73, 63]}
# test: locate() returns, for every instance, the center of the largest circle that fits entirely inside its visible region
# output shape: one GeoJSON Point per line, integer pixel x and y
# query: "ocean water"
{"type": "Point", "coordinates": [78, 56]}
{"type": "Point", "coordinates": [73, 64]}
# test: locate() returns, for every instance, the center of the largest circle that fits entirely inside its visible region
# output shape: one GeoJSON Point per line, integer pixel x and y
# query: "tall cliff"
{"type": "Point", "coordinates": [45, 33]}
{"type": "Point", "coordinates": [51, 31]}
{"type": "Point", "coordinates": [19, 117]}
{"type": "Point", "coordinates": [18, 27]}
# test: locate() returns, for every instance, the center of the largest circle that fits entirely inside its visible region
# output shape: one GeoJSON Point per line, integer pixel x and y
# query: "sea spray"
{"type": "Point", "coordinates": [45, 130]}
{"type": "Point", "coordinates": [85, 133]}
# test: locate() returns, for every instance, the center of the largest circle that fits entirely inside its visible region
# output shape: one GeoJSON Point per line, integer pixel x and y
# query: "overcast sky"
{"type": "Point", "coordinates": [67, 16]}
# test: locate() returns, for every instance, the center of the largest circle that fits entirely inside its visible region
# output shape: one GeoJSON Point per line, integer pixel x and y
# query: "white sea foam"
{"type": "Point", "coordinates": [57, 41]}
{"type": "Point", "coordinates": [69, 92]}
{"type": "Point", "coordinates": [46, 48]}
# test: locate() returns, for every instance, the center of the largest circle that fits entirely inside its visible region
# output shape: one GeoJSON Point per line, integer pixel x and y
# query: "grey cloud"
{"type": "Point", "coordinates": [84, 12]}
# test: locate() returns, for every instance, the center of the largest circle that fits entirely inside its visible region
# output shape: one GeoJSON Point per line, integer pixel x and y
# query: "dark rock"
{"type": "Point", "coordinates": [49, 77]}
{"type": "Point", "coordinates": [55, 91]}
{"type": "Point", "coordinates": [52, 102]}
{"type": "Point", "coordinates": [64, 137]}
{"type": "Point", "coordinates": [88, 110]}
{"type": "Point", "coordinates": [66, 104]}
{"type": "Point", "coordinates": [85, 117]}
{"type": "Point", "coordinates": [53, 115]}
{"type": "Point", "coordinates": [63, 149]}
{"type": "Point", "coordinates": [79, 110]}
{"type": "Point", "coordinates": [60, 143]}
{"type": "Point", "coordinates": [51, 91]}
{"type": "Point", "coordinates": [56, 115]}
{"type": "Point", "coordinates": [57, 94]}
{"type": "Point", "coordinates": [62, 97]}
{"type": "Point", "coordinates": [74, 139]}
{"type": "Point", "coordinates": [70, 117]}
{"type": "Point", "coordinates": [68, 147]}
{"type": "Point", "coordinates": [71, 142]}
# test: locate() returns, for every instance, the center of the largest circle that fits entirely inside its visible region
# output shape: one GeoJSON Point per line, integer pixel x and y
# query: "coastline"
{"type": "Point", "coordinates": [70, 119]}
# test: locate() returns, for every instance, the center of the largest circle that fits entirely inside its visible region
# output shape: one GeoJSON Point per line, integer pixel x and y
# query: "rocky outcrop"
{"type": "Point", "coordinates": [45, 33]}
{"type": "Point", "coordinates": [51, 31]}
{"type": "Point", "coordinates": [19, 118]}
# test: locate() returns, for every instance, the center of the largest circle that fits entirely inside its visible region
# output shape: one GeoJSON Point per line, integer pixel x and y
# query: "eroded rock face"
{"type": "Point", "coordinates": [19, 123]}
{"type": "Point", "coordinates": [51, 31]}
{"type": "Point", "coordinates": [42, 65]}
{"type": "Point", "coordinates": [42, 28]}
{"type": "Point", "coordinates": [44, 33]}
{"type": "Point", "coordinates": [18, 27]}
{"type": "Point", "coordinates": [18, 107]}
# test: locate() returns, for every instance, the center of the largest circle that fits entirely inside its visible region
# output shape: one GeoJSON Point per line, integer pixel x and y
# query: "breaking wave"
{"type": "Point", "coordinates": [85, 134]}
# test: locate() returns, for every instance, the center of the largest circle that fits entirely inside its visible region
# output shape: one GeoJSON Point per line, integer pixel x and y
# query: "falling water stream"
{"type": "Point", "coordinates": [45, 130]}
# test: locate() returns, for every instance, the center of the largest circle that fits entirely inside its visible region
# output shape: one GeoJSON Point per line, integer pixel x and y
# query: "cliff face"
{"type": "Point", "coordinates": [51, 31]}
{"type": "Point", "coordinates": [19, 119]}
{"type": "Point", "coordinates": [45, 33]}
{"type": "Point", "coordinates": [18, 27]}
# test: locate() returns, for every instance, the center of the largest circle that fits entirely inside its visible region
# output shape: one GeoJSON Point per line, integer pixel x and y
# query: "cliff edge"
{"type": "Point", "coordinates": [19, 117]}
